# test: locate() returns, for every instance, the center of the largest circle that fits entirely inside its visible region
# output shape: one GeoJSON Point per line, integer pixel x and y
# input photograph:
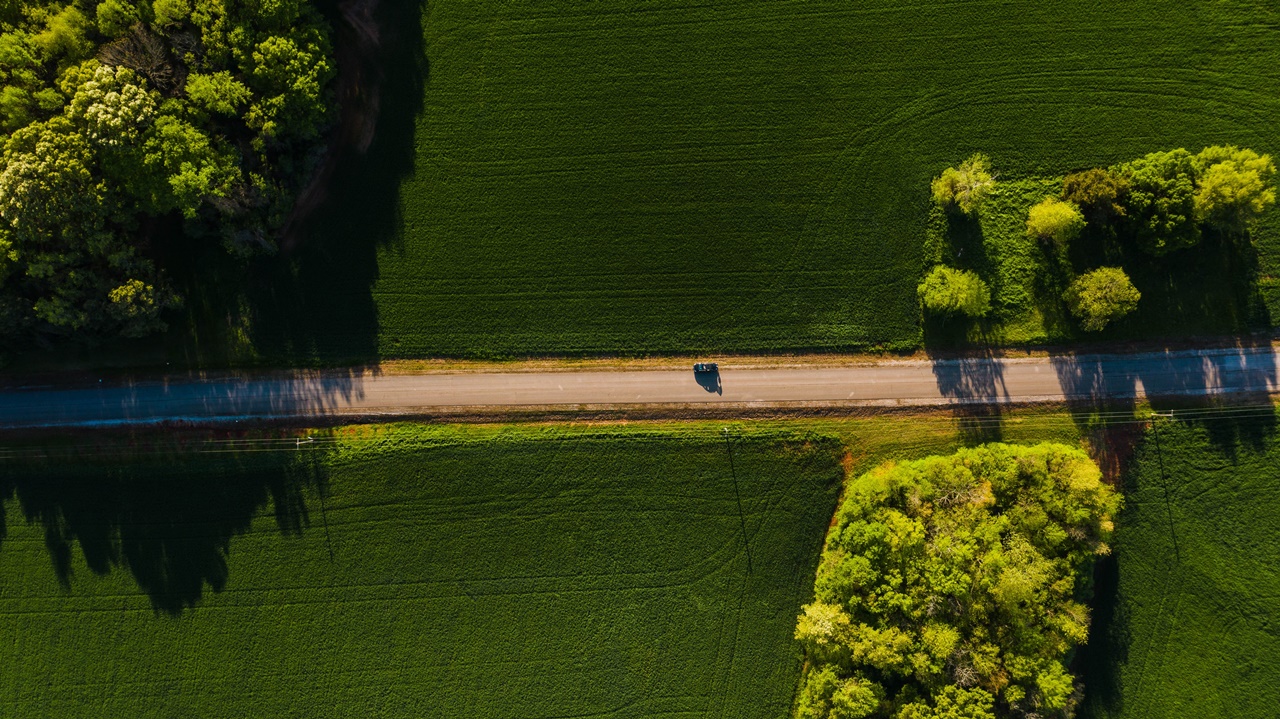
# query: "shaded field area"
{"type": "Point", "coordinates": [516, 575]}
{"type": "Point", "coordinates": [1185, 622]}
{"type": "Point", "coordinates": [637, 177]}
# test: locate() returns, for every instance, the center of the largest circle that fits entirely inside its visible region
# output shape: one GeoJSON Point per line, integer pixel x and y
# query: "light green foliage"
{"type": "Point", "coordinates": [155, 101]}
{"type": "Point", "coordinates": [112, 108]}
{"type": "Point", "coordinates": [115, 17]}
{"type": "Point", "coordinates": [1160, 202]}
{"type": "Point", "coordinates": [134, 305]}
{"type": "Point", "coordinates": [966, 186]}
{"type": "Point", "coordinates": [1102, 296]}
{"type": "Point", "coordinates": [190, 167]}
{"type": "Point", "coordinates": [530, 575]}
{"type": "Point", "coordinates": [954, 583]}
{"type": "Point", "coordinates": [65, 35]}
{"type": "Point", "coordinates": [171, 12]}
{"type": "Point", "coordinates": [288, 78]}
{"type": "Point", "coordinates": [948, 291]}
{"type": "Point", "coordinates": [1188, 607]}
{"type": "Point", "coordinates": [952, 703]}
{"type": "Point", "coordinates": [219, 93]}
{"type": "Point", "coordinates": [1235, 186]}
{"type": "Point", "coordinates": [1055, 221]}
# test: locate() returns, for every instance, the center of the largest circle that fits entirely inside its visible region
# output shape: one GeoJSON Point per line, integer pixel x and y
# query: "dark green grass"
{"type": "Point", "coordinates": [1187, 621]}
{"type": "Point", "coordinates": [506, 578]}
{"type": "Point", "coordinates": [635, 177]}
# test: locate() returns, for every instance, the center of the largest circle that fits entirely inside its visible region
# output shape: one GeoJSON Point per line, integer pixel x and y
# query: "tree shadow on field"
{"type": "Point", "coordinates": [1099, 661]}
{"type": "Point", "coordinates": [312, 304]}
{"type": "Point", "coordinates": [168, 524]}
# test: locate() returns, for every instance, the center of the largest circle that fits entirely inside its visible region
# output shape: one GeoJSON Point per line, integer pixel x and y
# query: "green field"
{"type": "Point", "coordinates": [631, 176]}
{"type": "Point", "coordinates": [1187, 621]}
{"type": "Point", "coordinates": [528, 574]}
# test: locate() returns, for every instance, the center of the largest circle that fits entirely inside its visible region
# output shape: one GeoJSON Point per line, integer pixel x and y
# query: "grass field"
{"type": "Point", "coordinates": [1188, 622]}
{"type": "Point", "coordinates": [522, 574]}
{"type": "Point", "coordinates": [635, 176]}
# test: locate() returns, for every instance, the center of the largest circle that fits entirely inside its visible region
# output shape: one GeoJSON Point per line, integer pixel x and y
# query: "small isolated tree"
{"type": "Point", "coordinates": [965, 186]}
{"type": "Point", "coordinates": [1100, 296]}
{"type": "Point", "coordinates": [1055, 221]}
{"type": "Point", "coordinates": [1235, 185]}
{"type": "Point", "coordinates": [948, 291]}
{"type": "Point", "coordinates": [1098, 193]}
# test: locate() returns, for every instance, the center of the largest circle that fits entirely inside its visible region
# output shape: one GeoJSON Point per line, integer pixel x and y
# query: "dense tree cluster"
{"type": "Point", "coordinates": [952, 587]}
{"type": "Point", "coordinates": [114, 111]}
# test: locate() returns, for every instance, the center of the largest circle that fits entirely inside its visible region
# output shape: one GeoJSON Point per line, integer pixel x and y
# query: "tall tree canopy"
{"type": "Point", "coordinates": [952, 587]}
{"type": "Point", "coordinates": [117, 110]}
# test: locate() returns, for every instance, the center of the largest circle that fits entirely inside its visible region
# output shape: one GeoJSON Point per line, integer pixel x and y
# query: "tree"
{"type": "Point", "coordinates": [1101, 296]}
{"type": "Point", "coordinates": [1055, 221]}
{"type": "Point", "coordinates": [966, 186]}
{"type": "Point", "coordinates": [1160, 205]}
{"type": "Point", "coordinates": [1235, 186]}
{"type": "Point", "coordinates": [948, 291]}
{"type": "Point", "coordinates": [949, 586]}
{"type": "Point", "coordinates": [1098, 193]}
{"type": "Point", "coordinates": [121, 110]}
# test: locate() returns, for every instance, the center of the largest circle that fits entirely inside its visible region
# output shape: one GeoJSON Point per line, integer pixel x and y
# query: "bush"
{"type": "Point", "coordinates": [1101, 296]}
{"type": "Point", "coordinates": [1098, 193]}
{"type": "Point", "coordinates": [947, 291]}
{"type": "Point", "coordinates": [1055, 221]}
{"type": "Point", "coordinates": [951, 586]}
{"type": "Point", "coordinates": [1160, 203]}
{"type": "Point", "coordinates": [1235, 186]}
{"type": "Point", "coordinates": [965, 186]}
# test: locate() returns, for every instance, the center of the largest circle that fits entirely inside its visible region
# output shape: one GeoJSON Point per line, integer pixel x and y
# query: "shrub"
{"type": "Point", "coordinates": [1235, 186]}
{"type": "Point", "coordinates": [1053, 220]}
{"type": "Point", "coordinates": [1160, 203]}
{"type": "Point", "coordinates": [1098, 193]}
{"type": "Point", "coordinates": [1100, 296]}
{"type": "Point", "coordinates": [950, 586]}
{"type": "Point", "coordinates": [947, 291]}
{"type": "Point", "coordinates": [965, 186]}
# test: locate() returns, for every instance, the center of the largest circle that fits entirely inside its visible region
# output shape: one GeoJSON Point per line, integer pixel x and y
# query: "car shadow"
{"type": "Point", "coordinates": [710, 381]}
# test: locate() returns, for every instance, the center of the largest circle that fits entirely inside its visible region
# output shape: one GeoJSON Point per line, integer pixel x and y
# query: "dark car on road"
{"type": "Point", "coordinates": [706, 368]}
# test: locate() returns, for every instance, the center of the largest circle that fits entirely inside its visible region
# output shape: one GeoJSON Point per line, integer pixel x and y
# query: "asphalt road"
{"type": "Point", "coordinates": [942, 382]}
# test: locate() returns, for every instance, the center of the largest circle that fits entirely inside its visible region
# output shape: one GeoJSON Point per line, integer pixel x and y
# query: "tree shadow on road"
{"type": "Point", "coordinates": [167, 519]}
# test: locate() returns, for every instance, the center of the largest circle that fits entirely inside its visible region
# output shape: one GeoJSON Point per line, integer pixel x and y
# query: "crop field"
{"type": "Point", "coordinates": [516, 575]}
{"type": "Point", "coordinates": [1187, 623]}
{"type": "Point", "coordinates": [636, 176]}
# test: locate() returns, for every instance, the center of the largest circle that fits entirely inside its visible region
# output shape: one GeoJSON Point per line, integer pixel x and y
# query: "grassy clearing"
{"type": "Point", "coordinates": [1219, 286]}
{"type": "Point", "coordinates": [474, 572]}
{"type": "Point", "coordinates": [1187, 626]}
{"type": "Point", "coordinates": [665, 177]}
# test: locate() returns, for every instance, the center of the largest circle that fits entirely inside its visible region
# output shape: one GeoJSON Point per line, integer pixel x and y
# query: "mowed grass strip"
{"type": "Point", "coordinates": [627, 176]}
{"type": "Point", "coordinates": [1186, 622]}
{"type": "Point", "coordinates": [496, 578]}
